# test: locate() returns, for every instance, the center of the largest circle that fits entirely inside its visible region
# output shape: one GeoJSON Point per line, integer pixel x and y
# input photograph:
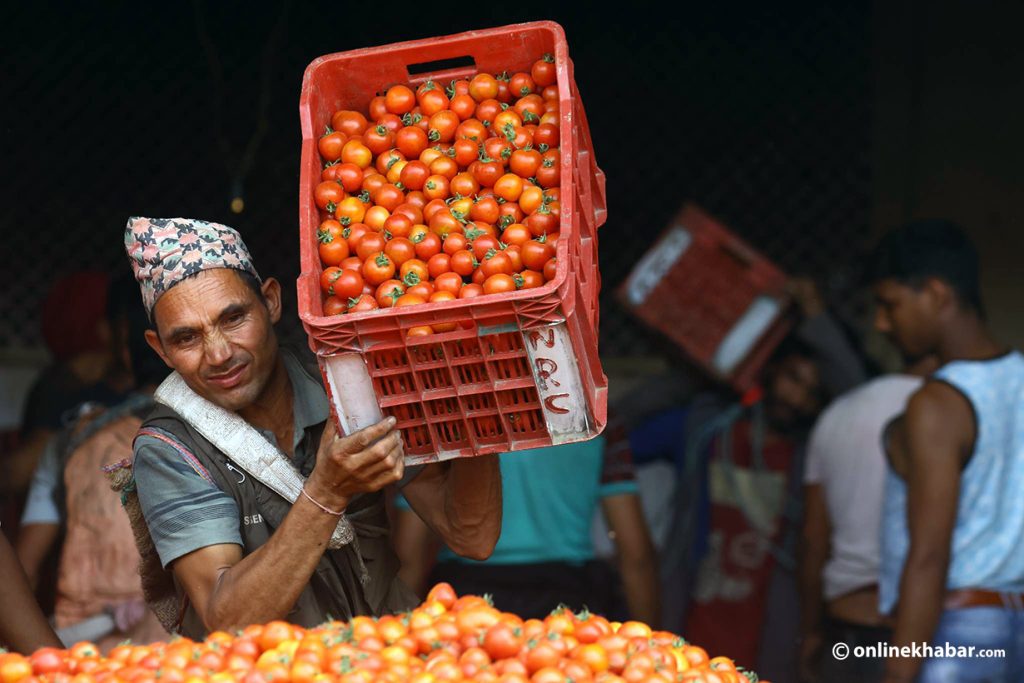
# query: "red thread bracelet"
{"type": "Point", "coordinates": [321, 506]}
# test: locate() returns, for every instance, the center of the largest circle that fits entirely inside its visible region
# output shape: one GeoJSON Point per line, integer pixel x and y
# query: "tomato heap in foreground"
{"type": "Point", "coordinates": [446, 639]}
{"type": "Point", "coordinates": [441, 193]}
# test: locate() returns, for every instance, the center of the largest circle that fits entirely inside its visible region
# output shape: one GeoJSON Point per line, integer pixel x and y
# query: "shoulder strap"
{"type": "Point", "coordinates": [237, 439]}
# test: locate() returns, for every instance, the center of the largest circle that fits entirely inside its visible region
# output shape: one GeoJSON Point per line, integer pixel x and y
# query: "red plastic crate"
{"type": "Point", "coordinates": [527, 373]}
{"type": "Point", "coordinates": [713, 295]}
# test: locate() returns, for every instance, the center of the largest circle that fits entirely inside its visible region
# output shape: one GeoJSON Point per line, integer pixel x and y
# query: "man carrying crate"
{"type": "Point", "coordinates": [256, 505]}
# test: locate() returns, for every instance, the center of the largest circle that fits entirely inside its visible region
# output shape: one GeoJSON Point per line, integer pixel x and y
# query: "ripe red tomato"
{"type": "Point", "coordinates": [328, 195]}
{"type": "Point", "coordinates": [531, 279]}
{"type": "Point", "coordinates": [349, 122]}
{"type": "Point", "coordinates": [483, 244]}
{"type": "Point", "coordinates": [515, 257]}
{"type": "Point", "coordinates": [541, 221]}
{"type": "Point", "coordinates": [333, 248]}
{"type": "Point", "coordinates": [365, 302]}
{"type": "Point", "coordinates": [335, 306]}
{"type": "Point", "coordinates": [378, 139]}
{"type": "Point", "coordinates": [464, 106]}
{"type": "Point", "coordinates": [550, 172]}
{"type": "Point", "coordinates": [485, 209]}
{"type": "Point", "coordinates": [399, 99]}
{"type": "Point", "coordinates": [550, 269]}
{"type": "Point", "coordinates": [517, 233]}
{"type": "Point", "coordinates": [525, 162]}
{"type": "Point", "coordinates": [472, 129]}
{"type": "Point", "coordinates": [488, 172]}
{"type": "Point", "coordinates": [536, 253]}
{"type": "Point", "coordinates": [499, 283]}
{"type": "Point", "coordinates": [470, 291]}
{"type": "Point", "coordinates": [400, 250]}
{"type": "Point", "coordinates": [377, 268]}
{"type": "Point", "coordinates": [464, 184]}
{"type": "Point", "coordinates": [547, 134]}
{"type": "Point", "coordinates": [414, 175]}
{"type": "Point", "coordinates": [330, 145]}
{"type": "Point", "coordinates": [509, 187]}
{"type": "Point", "coordinates": [443, 126]}
{"type": "Point", "coordinates": [522, 84]}
{"type": "Point", "coordinates": [398, 225]}
{"type": "Point", "coordinates": [349, 284]}
{"type": "Point", "coordinates": [444, 166]}
{"type": "Point", "coordinates": [370, 243]}
{"type": "Point", "coordinates": [487, 110]}
{"type": "Point", "coordinates": [543, 71]}
{"type": "Point", "coordinates": [483, 87]}
{"type": "Point", "coordinates": [388, 292]}
{"type": "Point", "coordinates": [438, 264]}
{"type": "Point", "coordinates": [349, 175]}
{"type": "Point", "coordinates": [448, 282]}
{"type": "Point", "coordinates": [466, 151]}
{"type": "Point", "coordinates": [411, 141]}
{"type": "Point", "coordinates": [436, 187]}
{"type": "Point", "coordinates": [463, 262]}
{"type": "Point", "coordinates": [495, 262]}
{"type": "Point", "coordinates": [431, 98]}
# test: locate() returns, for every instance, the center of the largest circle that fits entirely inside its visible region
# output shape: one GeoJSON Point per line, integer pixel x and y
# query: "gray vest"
{"type": "Point", "coordinates": [335, 590]}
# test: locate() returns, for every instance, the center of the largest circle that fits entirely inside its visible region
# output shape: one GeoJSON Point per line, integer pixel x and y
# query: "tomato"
{"type": "Point", "coordinates": [399, 99]}
{"type": "Point", "coordinates": [549, 174]}
{"type": "Point", "coordinates": [464, 184]}
{"type": "Point", "coordinates": [525, 162]}
{"type": "Point", "coordinates": [428, 244]}
{"type": "Point", "coordinates": [499, 283]}
{"type": "Point", "coordinates": [411, 141]}
{"type": "Point", "coordinates": [517, 233]}
{"type": "Point", "coordinates": [487, 172]}
{"type": "Point", "coordinates": [400, 250]}
{"type": "Point", "coordinates": [478, 277]}
{"type": "Point", "coordinates": [509, 187]}
{"type": "Point", "coordinates": [448, 282]}
{"type": "Point", "coordinates": [541, 222]}
{"type": "Point", "coordinates": [543, 71]}
{"type": "Point", "coordinates": [485, 209]}
{"type": "Point", "coordinates": [330, 144]}
{"type": "Point", "coordinates": [541, 656]}
{"type": "Point", "coordinates": [498, 148]}
{"type": "Point", "coordinates": [335, 306]}
{"type": "Point", "coordinates": [375, 217]}
{"type": "Point", "coordinates": [436, 187]}
{"type": "Point", "coordinates": [444, 222]}
{"type": "Point", "coordinates": [463, 262]}
{"type": "Point", "coordinates": [471, 129]}
{"type": "Point", "coordinates": [514, 257]}
{"type": "Point", "coordinates": [388, 196]}
{"type": "Point", "coordinates": [464, 106]}
{"type": "Point", "coordinates": [333, 248]}
{"type": "Point", "coordinates": [484, 243]}
{"type": "Point", "coordinates": [444, 126]}
{"type": "Point", "coordinates": [370, 243]}
{"type": "Point", "coordinates": [530, 108]}
{"type": "Point", "coordinates": [378, 139]}
{"type": "Point", "coordinates": [466, 151]}
{"type": "Point", "coordinates": [487, 110]}
{"type": "Point", "coordinates": [348, 122]}
{"type": "Point", "coordinates": [349, 284]}
{"type": "Point", "coordinates": [507, 121]}
{"type": "Point", "coordinates": [398, 225]}
{"type": "Point", "coordinates": [536, 253]}
{"type": "Point", "coordinates": [355, 152]}
{"type": "Point", "coordinates": [424, 290]}
{"type": "Point", "coordinates": [349, 175]}
{"type": "Point", "coordinates": [409, 300]}
{"type": "Point", "coordinates": [483, 87]}
{"type": "Point", "coordinates": [503, 641]}
{"type": "Point", "coordinates": [431, 98]}
{"type": "Point", "coordinates": [414, 175]}
{"type": "Point", "coordinates": [377, 268]}
{"type": "Point", "coordinates": [444, 166]}
{"type": "Point", "coordinates": [387, 161]}
{"type": "Point", "coordinates": [386, 295]}
{"type": "Point", "coordinates": [372, 182]}
{"type": "Point", "coordinates": [495, 262]}
{"type": "Point", "coordinates": [530, 279]}
{"type": "Point", "coordinates": [328, 195]}
{"type": "Point", "coordinates": [550, 269]}
{"type": "Point", "coordinates": [547, 134]}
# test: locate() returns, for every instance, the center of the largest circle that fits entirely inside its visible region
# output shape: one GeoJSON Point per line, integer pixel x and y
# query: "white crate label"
{"type": "Point", "coordinates": [650, 269]}
{"type": "Point", "coordinates": [559, 387]}
{"type": "Point", "coordinates": [352, 394]}
{"type": "Point", "coordinates": [745, 333]}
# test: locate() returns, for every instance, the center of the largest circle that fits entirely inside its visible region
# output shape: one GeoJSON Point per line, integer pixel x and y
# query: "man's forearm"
{"type": "Point", "coordinates": [640, 584]}
{"type": "Point", "coordinates": [922, 591]}
{"type": "Point", "coordinates": [812, 564]}
{"type": "Point", "coordinates": [22, 624]}
{"type": "Point", "coordinates": [265, 585]}
{"type": "Point", "coordinates": [472, 504]}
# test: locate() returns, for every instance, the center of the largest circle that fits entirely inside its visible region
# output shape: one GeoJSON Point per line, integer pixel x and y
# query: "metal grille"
{"type": "Point", "coordinates": [759, 113]}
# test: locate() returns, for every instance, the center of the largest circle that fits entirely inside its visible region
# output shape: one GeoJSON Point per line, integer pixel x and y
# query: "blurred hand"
{"type": "Point", "coordinates": [807, 296]}
{"type": "Point", "coordinates": [362, 462]}
{"type": "Point", "coordinates": [807, 664]}
{"type": "Point", "coordinates": [128, 614]}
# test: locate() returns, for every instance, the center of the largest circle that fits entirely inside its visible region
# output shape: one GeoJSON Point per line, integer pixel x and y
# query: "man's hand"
{"type": "Point", "coordinates": [810, 650]}
{"type": "Point", "coordinates": [363, 462]}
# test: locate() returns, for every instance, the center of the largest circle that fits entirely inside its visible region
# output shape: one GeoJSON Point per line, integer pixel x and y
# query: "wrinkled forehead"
{"type": "Point", "coordinates": [198, 300]}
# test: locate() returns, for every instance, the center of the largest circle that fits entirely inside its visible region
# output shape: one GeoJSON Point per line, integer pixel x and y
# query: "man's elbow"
{"type": "Point", "coordinates": [478, 547]}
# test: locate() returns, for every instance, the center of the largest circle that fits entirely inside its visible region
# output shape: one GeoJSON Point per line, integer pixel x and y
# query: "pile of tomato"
{"type": "Point", "coordinates": [442, 192]}
{"type": "Point", "coordinates": [447, 639]}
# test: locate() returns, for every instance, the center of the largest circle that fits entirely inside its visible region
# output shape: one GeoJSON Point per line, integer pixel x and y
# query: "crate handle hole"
{"type": "Point", "coordinates": [439, 65]}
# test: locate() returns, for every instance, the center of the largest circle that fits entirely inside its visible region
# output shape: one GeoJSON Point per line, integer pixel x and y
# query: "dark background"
{"type": "Point", "coordinates": [761, 112]}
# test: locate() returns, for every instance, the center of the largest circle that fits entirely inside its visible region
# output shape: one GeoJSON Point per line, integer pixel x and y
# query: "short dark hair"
{"type": "Point", "coordinates": [930, 248]}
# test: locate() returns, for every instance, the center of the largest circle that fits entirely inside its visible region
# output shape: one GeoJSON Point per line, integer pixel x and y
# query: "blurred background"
{"type": "Point", "coordinates": [808, 128]}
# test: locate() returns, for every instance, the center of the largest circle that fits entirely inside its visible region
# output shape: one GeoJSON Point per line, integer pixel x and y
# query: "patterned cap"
{"type": "Point", "coordinates": [165, 251]}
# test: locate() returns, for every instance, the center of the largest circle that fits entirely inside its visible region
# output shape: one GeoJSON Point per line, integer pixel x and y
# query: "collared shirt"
{"type": "Point", "coordinates": [185, 512]}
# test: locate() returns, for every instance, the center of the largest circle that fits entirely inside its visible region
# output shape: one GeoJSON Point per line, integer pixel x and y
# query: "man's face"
{"type": "Point", "coordinates": [793, 396]}
{"type": "Point", "coordinates": [219, 336]}
{"type": "Point", "coordinates": [908, 316]}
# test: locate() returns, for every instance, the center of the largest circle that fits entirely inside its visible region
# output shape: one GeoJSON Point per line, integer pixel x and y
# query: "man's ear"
{"type": "Point", "coordinates": [940, 293]}
{"type": "Point", "coordinates": [153, 339]}
{"type": "Point", "coordinates": [271, 289]}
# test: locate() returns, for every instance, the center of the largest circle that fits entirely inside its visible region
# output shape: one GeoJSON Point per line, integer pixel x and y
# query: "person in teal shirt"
{"type": "Point", "coordinates": [545, 556]}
